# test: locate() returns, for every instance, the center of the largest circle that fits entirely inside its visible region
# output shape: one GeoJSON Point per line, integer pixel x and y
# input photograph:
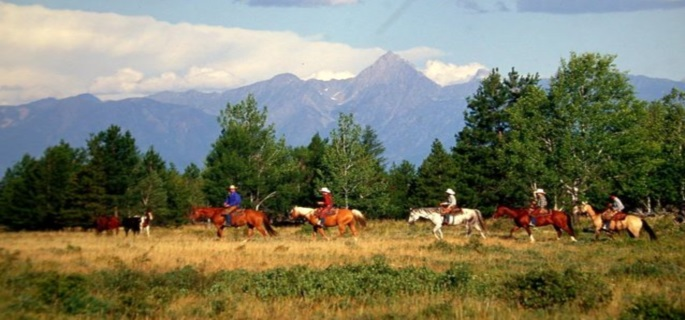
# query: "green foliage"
{"type": "Point", "coordinates": [644, 267]}
{"type": "Point", "coordinates": [548, 289]}
{"type": "Point", "coordinates": [352, 170]}
{"type": "Point", "coordinates": [401, 185]}
{"type": "Point", "coordinates": [248, 155]}
{"type": "Point", "coordinates": [653, 308]}
{"type": "Point", "coordinates": [435, 175]}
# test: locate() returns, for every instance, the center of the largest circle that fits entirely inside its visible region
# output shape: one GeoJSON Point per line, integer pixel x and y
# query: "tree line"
{"type": "Point", "coordinates": [583, 138]}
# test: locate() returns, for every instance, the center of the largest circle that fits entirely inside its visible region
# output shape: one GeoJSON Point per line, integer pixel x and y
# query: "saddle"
{"type": "Point", "coordinates": [455, 210]}
{"type": "Point", "coordinates": [614, 216]}
{"type": "Point", "coordinates": [326, 212]}
{"type": "Point", "coordinates": [619, 216]}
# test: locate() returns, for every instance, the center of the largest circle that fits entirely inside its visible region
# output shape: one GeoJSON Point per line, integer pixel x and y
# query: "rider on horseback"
{"type": "Point", "coordinates": [325, 205]}
{"type": "Point", "coordinates": [615, 212]}
{"type": "Point", "coordinates": [232, 203]}
{"type": "Point", "coordinates": [449, 206]}
{"type": "Point", "coordinates": [539, 202]}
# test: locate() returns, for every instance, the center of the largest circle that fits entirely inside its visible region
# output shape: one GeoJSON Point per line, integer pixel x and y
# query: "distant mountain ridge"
{"type": "Point", "coordinates": [407, 110]}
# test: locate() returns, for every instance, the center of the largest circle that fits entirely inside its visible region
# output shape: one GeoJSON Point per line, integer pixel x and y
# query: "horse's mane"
{"type": "Point", "coordinates": [304, 210]}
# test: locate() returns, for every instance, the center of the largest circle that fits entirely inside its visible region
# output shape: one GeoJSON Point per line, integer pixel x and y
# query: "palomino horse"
{"type": "Point", "coordinates": [340, 217]}
{"type": "Point", "coordinates": [241, 217]}
{"type": "Point", "coordinates": [632, 223]}
{"type": "Point", "coordinates": [558, 219]}
{"type": "Point", "coordinates": [472, 218]}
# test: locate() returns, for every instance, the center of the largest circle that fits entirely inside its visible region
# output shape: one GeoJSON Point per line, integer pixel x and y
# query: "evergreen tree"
{"type": "Point", "coordinates": [484, 178]}
{"type": "Point", "coordinates": [401, 185]}
{"type": "Point", "coordinates": [18, 209]}
{"type": "Point", "coordinates": [436, 174]}
{"type": "Point", "coordinates": [112, 157]}
{"type": "Point", "coordinates": [56, 174]}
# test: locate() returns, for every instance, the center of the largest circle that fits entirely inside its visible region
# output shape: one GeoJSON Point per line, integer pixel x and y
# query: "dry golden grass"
{"type": "Point", "coordinates": [400, 244]}
{"type": "Point", "coordinates": [168, 249]}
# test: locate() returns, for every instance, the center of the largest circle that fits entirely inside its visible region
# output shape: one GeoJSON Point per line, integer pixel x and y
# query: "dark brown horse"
{"type": "Point", "coordinates": [107, 224]}
{"type": "Point", "coordinates": [343, 218]}
{"type": "Point", "coordinates": [558, 219]}
{"type": "Point", "coordinates": [241, 217]}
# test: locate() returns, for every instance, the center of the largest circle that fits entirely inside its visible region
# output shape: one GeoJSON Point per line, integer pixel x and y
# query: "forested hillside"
{"type": "Point", "coordinates": [583, 137]}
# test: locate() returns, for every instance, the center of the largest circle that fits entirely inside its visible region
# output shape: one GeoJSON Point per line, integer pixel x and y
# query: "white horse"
{"type": "Point", "coordinates": [472, 218]}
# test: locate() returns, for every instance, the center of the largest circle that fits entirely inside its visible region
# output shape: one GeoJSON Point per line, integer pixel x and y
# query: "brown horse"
{"type": "Point", "coordinates": [107, 224]}
{"type": "Point", "coordinates": [632, 223]}
{"type": "Point", "coordinates": [340, 217]}
{"type": "Point", "coordinates": [241, 217]}
{"type": "Point", "coordinates": [558, 219]}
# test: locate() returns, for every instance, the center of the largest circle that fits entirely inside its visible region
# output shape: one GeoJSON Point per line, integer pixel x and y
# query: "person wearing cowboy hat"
{"type": "Point", "coordinates": [325, 205]}
{"type": "Point", "coordinates": [451, 203]}
{"type": "Point", "coordinates": [541, 203]}
{"type": "Point", "coordinates": [232, 203]}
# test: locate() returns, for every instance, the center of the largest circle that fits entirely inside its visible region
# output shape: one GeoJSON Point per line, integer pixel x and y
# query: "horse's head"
{"type": "Point", "coordinates": [499, 211]}
{"type": "Point", "coordinates": [413, 215]}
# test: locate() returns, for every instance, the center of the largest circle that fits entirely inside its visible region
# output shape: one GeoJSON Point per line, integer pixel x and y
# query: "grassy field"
{"type": "Point", "coordinates": [392, 271]}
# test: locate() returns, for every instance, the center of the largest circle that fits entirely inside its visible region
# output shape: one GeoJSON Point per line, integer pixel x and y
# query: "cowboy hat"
{"type": "Point", "coordinates": [540, 191]}
{"type": "Point", "coordinates": [324, 189]}
{"type": "Point", "coordinates": [449, 191]}
{"type": "Point", "coordinates": [231, 187]}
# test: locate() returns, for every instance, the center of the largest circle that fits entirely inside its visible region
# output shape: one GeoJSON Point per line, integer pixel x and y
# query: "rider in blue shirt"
{"type": "Point", "coordinates": [232, 203]}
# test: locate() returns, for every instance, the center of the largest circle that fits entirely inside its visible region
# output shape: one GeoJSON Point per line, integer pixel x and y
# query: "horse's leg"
{"type": "Point", "coordinates": [511, 233]}
{"type": "Point", "coordinates": [353, 229]}
{"type": "Point", "coordinates": [558, 230]}
{"type": "Point", "coordinates": [480, 229]}
{"type": "Point", "coordinates": [530, 234]}
{"type": "Point", "coordinates": [341, 230]}
{"type": "Point", "coordinates": [437, 232]}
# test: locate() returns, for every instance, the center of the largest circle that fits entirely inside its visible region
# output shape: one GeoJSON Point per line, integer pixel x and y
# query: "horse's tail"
{"type": "Point", "coordinates": [267, 225]}
{"type": "Point", "coordinates": [480, 219]}
{"type": "Point", "coordinates": [359, 217]}
{"type": "Point", "coordinates": [652, 235]}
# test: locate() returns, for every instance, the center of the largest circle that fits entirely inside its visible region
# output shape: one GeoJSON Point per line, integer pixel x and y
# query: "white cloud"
{"type": "Point", "coordinates": [447, 74]}
{"type": "Point", "coordinates": [62, 53]}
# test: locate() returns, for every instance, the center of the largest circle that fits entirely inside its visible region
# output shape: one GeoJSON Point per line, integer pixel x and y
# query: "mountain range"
{"type": "Point", "coordinates": [407, 110]}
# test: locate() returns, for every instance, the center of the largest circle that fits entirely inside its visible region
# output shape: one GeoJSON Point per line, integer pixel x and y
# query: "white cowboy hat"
{"type": "Point", "coordinates": [539, 191]}
{"type": "Point", "coordinates": [232, 187]}
{"type": "Point", "coordinates": [449, 191]}
{"type": "Point", "coordinates": [324, 189]}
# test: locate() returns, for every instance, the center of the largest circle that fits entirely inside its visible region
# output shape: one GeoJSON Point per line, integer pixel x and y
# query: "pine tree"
{"type": "Point", "coordinates": [436, 174]}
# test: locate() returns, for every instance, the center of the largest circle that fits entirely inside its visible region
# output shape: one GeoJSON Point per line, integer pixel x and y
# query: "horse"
{"type": "Point", "coordinates": [558, 219]}
{"type": "Point", "coordinates": [343, 218]}
{"type": "Point", "coordinates": [137, 223]}
{"type": "Point", "coordinates": [145, 221]}
{"type": "Point", "coordinates": [632, 223]}
{"type": "Point", "coordinates": [472, 218]}
{"type": "Point", "coordinates": [107, 224]}
{"type": "Point", "coordinates": [241, 217]}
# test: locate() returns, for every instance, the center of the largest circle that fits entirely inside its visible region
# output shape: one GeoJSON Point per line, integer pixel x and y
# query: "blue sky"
{"type": "Point", "coordinates": [126, 48]}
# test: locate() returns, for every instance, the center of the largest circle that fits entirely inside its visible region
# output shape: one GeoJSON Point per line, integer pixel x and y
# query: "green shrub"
{"type": "Point", "coordinates": [547, 289]}
{"type": "Point", "coordinates": [652, 308]}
